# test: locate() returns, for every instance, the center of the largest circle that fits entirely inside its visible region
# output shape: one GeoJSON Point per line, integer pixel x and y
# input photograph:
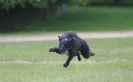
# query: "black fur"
{"type": "Point", "coordinates": [74, 46]}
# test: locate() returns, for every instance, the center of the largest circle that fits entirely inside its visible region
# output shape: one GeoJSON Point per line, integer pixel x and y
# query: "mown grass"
{"type": "Point", "coordinates": [94, 19]}
{"type": "Point", "coordinates": [112, 62]}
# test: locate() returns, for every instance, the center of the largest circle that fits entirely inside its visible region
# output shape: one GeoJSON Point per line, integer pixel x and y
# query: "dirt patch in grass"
{"type": "Point", "coordinates": [45, 37]}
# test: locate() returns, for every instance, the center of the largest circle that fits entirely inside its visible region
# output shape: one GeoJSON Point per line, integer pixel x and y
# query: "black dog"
{"type": "Point", "coordinates": [74, 46]}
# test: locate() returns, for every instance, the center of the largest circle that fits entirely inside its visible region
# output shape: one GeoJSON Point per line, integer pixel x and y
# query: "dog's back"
{"type": "Point", "coordinates": [70, 35]}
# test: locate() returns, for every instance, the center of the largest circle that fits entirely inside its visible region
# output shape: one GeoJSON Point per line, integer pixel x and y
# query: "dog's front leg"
{"type": "Point", "coordinates": [70, 57]}
{"type": "Point", "coordinates": [55, 50]}
{"type": "Point", "coordinates": [68, 61]}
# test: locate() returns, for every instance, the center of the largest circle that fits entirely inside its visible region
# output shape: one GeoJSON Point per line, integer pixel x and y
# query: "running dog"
{"type": "Point", "coordinates": [71, 43]}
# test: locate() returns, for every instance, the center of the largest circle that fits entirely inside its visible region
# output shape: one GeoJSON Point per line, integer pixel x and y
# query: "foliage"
{"type": "Point", "coordinates": [76, 19]}
{"type": "Point", "coordinates": [7, 4]}
{"type": "Point", "coordinates": [88, 2]}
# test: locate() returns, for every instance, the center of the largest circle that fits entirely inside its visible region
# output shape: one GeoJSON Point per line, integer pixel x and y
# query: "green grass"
{"type": "Point", "coordinates": [99, 18]}
{"type": "Point", "coordinates": [112, 63]}
{"type": "Point", "coordinates": [94, 19]}
{"type": "Point", "coordinates": [89, 19]}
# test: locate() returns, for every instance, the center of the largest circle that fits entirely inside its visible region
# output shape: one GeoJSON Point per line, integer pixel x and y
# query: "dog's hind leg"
{"type": "Point", "coordinates": [86, 51]}
{"type": "Point", "coordinates": [91, 53]}
{"type": "Point", "coordinates": [78, 56]}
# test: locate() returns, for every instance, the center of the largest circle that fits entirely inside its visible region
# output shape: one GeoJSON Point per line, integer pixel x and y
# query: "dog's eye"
{"type": "Point", "coordinates": [66, 39]}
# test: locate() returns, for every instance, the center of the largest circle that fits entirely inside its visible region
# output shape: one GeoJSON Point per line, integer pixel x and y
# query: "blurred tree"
{"type": "Point", "coordinates": [102, 2]}
{"type": "Point", "coordinates": [16, 14]}
{"type": "Point", "coordinates": [10, 4]}
{"type": "Point", "coordinates": [118, 1]}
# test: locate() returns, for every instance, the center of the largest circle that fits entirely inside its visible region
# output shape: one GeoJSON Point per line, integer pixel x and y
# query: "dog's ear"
{"type": "Point", "coordinates": [59, 37]}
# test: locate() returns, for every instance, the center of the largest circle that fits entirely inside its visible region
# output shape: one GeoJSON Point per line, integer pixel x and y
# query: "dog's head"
{"type": "Point", "coordinates": [66, 41]}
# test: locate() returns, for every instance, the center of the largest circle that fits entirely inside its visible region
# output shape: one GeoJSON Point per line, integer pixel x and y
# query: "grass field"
{"type": "Point", "coordinates": [89, 19]}
{"type": "Point", "coordinates": [94, 19]}
{"type": "Point", "coordinates": [99, 18]}
{"type": "Point", "coordinates": [31, 62]}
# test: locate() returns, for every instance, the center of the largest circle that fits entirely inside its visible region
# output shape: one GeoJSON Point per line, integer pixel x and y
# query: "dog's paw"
{"type": "Point", "coordinates": [92, 53]}
{"type": "Point", "coordinates": [51, 50]}
{"type": "Point", "coordinates": [79, 59]}
{"type": "Point", "coordinates": [65, 65]}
